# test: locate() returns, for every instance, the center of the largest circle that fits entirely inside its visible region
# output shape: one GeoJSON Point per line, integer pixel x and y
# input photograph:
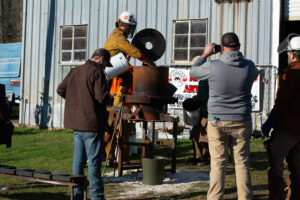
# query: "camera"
{"type": "Point", "coordinates": [217, 48]}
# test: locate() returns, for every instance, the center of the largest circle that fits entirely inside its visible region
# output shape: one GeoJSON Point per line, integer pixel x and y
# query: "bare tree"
{"type": "Point", "coordinates": [11, 18]}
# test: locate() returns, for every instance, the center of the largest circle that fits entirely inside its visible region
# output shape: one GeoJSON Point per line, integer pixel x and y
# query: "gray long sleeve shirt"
{"type": "Point", "coordinates": [230, 81]}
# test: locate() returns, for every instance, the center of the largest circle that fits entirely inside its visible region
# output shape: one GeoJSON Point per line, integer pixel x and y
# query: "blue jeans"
{"type": "Point", "coordinates": [89, 145]}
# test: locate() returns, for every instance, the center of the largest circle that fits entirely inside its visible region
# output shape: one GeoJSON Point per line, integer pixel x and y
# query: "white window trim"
{"type": "Point", "coordinates": [68, 63]}
{"type": "Point", "coordinates": [187, 62]}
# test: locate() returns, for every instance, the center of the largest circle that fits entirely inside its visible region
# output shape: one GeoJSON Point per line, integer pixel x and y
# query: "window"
{"type": "Point", "coordinates": [73, 44]}
{"type": "Point", "coordinates": [231, 1]}
{"type": "Point", "coordinates": [189, 39]}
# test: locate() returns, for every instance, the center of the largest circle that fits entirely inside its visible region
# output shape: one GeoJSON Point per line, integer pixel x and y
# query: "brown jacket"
{"type": "Point", "coordinates": [287, 103]}
{"type": "Point", "coordinates": [86, 94]}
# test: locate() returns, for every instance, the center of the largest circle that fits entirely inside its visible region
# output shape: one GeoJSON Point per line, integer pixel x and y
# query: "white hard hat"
{"type": "Point", "coordinates": [294, 44]}
{"type": "Point", "coordinates": [290, 43]}
{"type": "Point", "coordinates": [128, 18]}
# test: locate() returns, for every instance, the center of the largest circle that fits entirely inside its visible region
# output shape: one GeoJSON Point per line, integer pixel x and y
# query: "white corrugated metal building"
{"type": "Point", "coordinates": [60, 34]}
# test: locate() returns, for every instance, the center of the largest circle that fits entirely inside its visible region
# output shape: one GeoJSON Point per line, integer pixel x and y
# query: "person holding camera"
{"type": "Point", "coordinates": [229, 112]}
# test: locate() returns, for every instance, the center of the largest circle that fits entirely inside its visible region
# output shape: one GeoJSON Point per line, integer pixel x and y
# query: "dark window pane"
{"type": "Point", "coordinates": [181, 41]}
{"type": "Point", "coordinates": [198, 27]}
{"type": "Point", "coordinates": [180, 54]}
{"type": "Point", "coordinates": [195, 52]}
{"type": "Point", "coordinates": [198, 41]}
{"type": "Point", "coordinates": [66, 44]}
{"type": "Point", "coordinates": [66, 56]}
{"type": "Point", "coordinates": [79, 43]}
{"type": "Point", "coordinates": [67, 32]}
{"type": "Point", "coordinates": [79, 56]}
{"type": "Point", "coordinates": [181, 28]}
{"type": "Point", "coordinates": [80, 31]}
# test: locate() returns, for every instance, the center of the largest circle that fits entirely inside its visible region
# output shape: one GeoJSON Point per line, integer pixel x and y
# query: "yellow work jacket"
{"type": "Point", "coordinates": [116, 43]}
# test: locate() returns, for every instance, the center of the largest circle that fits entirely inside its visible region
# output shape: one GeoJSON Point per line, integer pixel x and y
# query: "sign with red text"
{"type": "Point", "coordinates": [255, 99]}
{"type": "Point", "coordinates": [187, 87]}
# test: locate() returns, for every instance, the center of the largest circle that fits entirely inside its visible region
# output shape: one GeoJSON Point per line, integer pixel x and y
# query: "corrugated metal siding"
{"type": "Point", "coordinates": [251, 21]}
{"type": "Point", "coordinates": [292, 10]}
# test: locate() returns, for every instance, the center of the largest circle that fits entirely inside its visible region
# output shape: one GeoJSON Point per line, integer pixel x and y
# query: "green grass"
{"type": "Point", "coordinates": [15, 111]}
{"type": "Point", "coordinates": [53, 151]}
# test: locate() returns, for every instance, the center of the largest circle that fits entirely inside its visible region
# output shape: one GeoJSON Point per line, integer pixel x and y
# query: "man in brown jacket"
{"type": "Point", "coordinates": [86, 93]}
{"type": "Point", "coordinates": [284, 119]}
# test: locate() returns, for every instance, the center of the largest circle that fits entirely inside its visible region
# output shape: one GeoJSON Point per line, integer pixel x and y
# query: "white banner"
{"type": "Point", "coordinates": [255, 99]}
{"type": "Point", "coordinates": [187, 87]}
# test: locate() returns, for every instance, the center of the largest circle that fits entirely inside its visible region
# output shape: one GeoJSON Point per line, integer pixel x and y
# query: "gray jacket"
{"type": "Point", "coordinates": [230, 81]}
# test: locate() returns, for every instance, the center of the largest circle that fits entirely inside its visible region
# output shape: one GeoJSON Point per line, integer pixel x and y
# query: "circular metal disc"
{"type": "Point", "coordinates": [150, 42]}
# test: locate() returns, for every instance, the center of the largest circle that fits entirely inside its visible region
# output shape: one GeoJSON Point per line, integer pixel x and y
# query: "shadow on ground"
{"type": "Point", "coordinates": [36, 196]}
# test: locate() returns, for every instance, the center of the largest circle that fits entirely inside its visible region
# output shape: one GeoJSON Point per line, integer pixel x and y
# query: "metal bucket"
{"type": "Point", "coordinates": [120, 65]}
{"type": "Point", "coordinates": [153, 170]}
{"type": "Point", "coordinates": [191, 112]}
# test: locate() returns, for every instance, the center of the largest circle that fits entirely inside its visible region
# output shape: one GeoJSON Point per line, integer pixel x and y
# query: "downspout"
{"type": "Point", "coordinates": [23, 101]}
{"type": "Point", "coordinates": [282, 35]}
{"type": "Point", "coordinates": [221, 25]}
{"type": "Point", "coordinates": [237, 16]}
{"type": "Point", "coordinates": [48, 64]}
{"type": "Point", "coordinates": [246, 27]}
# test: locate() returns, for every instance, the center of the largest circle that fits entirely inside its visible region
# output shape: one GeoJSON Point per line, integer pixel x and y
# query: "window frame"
{"type": "Point", "coordinates": [231, 1]}
{"type": "Point", "coordinates": [187, 62]}
{"type": "Point", "coordinates": [72, 62]}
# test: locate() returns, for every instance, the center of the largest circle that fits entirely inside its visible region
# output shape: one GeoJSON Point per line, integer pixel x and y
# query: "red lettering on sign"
{"type": "Point", "coordinates": [192, 79]}
{"type": "Point", "coordinates": [190, 89]}
{"type": "Point", "coordinates": [187, 89]}
{"type": "Point", "coordinates": [193, 87]}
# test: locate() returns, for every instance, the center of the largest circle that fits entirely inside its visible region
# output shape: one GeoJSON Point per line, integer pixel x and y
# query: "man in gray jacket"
{"type": "Point", "coordinates": [229, 113]}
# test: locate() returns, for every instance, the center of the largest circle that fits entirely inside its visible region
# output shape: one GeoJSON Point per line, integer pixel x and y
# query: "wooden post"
{"type": "Point", "coordinates": [145, 127]}
{"type": "Point", "coordinates": [120, 146]}
{"type": "Point", "coordinates": [173, 164]}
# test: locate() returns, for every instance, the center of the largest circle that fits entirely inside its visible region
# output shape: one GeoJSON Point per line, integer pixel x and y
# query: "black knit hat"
{"type": "Point", "coordinates": [230, 40]}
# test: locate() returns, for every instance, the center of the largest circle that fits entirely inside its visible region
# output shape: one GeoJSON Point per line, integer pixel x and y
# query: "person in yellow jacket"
{"type": "Point", "coordinates": [121, 85]}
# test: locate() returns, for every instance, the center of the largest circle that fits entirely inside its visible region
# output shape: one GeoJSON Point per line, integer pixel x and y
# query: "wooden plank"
{"type": "Point", "coordinates": [40, 180]}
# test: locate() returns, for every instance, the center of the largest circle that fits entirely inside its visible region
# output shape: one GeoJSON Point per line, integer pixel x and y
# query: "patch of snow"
{"type": "Point", "coordinates": [175, 183]}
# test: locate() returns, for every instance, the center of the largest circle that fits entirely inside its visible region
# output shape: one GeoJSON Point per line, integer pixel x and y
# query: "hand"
{"type": "Point", "coordinates": [269, 123]}
{"type": "Point", "coordinates": [208, 51]}
{"type": "Point", "coordinates": [128, 58]}
{"type": "Point", "coordinates": [265, 129]}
